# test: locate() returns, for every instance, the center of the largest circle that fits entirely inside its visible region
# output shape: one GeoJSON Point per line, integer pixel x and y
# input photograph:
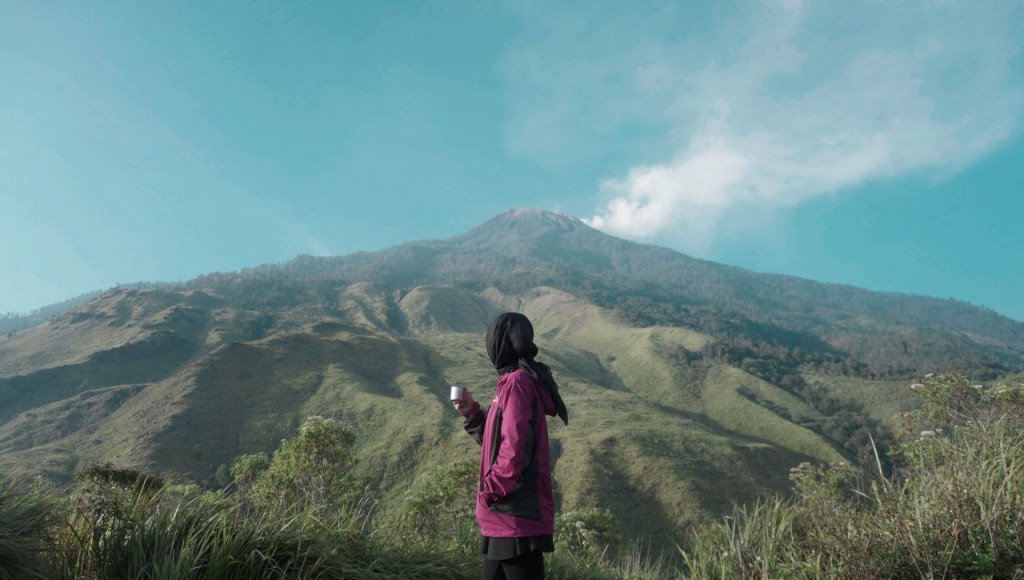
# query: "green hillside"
{"type": "Point", "coordinates": [691, 385]}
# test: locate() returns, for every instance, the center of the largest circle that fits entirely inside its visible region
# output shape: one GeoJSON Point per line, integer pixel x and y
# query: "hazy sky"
{"type": "Point", "coordinates": [874, 143]}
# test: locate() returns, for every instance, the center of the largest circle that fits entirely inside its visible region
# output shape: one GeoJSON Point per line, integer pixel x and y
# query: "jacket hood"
{"type": "Point", "coordinates": [547, 400]}
{"type": "Point", "coordinates": [510, 347]}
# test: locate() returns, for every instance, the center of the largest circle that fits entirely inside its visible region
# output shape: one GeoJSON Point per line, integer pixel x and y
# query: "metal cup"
{"type": "Point", "coordinates": [458, 393]}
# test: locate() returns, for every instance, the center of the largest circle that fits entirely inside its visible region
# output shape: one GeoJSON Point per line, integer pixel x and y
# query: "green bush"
{"type": "Point", "coordinates": [950, 509]}
{"type": "Point", "coordinates": [246, 472]}
{"type": "Point", "coordinates": [587, 532]}
{"type": "Point", "coordinates": [300, 516]}
{"type": "Point", "coordinates": [439, 508]}
{"type": "Point", "coordinates": [310, 474]}
{"type": "Point", "coordinates": [587, 547]}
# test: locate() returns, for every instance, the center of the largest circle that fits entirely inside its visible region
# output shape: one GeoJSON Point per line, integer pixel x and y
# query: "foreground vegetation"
{"type": "Point", "coordinates": [949, 507]}
{"type": "Point", "coordinates": [298, 514]}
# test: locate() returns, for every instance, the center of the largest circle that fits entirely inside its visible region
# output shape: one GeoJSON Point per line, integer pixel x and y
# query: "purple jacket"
{"type": "Point", "coordinates": [514, 498]}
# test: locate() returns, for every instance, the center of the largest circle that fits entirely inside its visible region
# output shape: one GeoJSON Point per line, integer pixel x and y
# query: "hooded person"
{"type": "Point", "coordinates": [515, 507]}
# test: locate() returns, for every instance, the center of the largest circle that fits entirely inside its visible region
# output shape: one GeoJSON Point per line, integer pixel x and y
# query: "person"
{"type": "Point", "coordinates": [515, 507]}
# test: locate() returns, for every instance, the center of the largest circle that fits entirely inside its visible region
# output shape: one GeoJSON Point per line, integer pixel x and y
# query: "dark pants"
{"type": "Point", "coordinates": [526, 567]}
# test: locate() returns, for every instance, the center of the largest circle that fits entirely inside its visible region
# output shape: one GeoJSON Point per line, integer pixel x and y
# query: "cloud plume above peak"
{"type": "Point", "coordinates": [759, 109]}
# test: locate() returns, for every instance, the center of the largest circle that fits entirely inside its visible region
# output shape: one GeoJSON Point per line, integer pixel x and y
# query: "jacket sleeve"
{"type": "Point", "coordinates": [516, 436]}
{"type": "Point", "coordinates": [474, 423]}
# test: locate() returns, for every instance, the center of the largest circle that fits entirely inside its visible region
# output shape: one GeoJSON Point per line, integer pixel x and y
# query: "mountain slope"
{"type": "Point", "coordinates": [889, 334]}
{"type": "Point", "coordinates": [691, 385]}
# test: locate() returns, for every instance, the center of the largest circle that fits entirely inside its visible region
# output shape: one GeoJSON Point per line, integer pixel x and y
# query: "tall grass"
{"type": "Point", "coordinates": [121, 524]}
{"type": "Point", "coordinates": [213, 536]}
{"type": "Point", "coordinates": [26, 513]}
{"type": "Point", "coordinates": [951, 508]}
{"type": "Point", "coordinates": [134, 534]}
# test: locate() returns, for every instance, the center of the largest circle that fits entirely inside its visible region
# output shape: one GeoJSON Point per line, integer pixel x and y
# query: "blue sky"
{"type": "Point", "coordinates": [877, 144]}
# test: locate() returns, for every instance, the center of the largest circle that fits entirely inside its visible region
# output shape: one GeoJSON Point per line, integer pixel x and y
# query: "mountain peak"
{"type": "Point", "coordinates": [529, 214]}
{"type": "Point", "coordinates": [517, 229]}
{"type": "Point", "coordinates": [531, 220]}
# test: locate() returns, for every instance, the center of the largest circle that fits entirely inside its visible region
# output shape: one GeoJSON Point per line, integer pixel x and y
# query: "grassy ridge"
{"type": "Point", "coordinates": [885, 401]}
{"type": "Point", "coordinates": [724, 403]}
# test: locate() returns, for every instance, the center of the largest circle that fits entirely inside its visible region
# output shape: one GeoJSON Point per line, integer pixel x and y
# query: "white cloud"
{"type": "Point", "coordinates": [762, 109]}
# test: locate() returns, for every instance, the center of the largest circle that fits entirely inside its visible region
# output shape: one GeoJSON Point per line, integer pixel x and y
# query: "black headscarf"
{"type": "Point", "coordinates": [510, 347]}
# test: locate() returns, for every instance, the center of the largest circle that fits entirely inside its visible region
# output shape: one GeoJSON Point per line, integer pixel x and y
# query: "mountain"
{"type": "Point", "coordinates": [691, 385]}
{"type": "Point", "coordinates": [891, 334]}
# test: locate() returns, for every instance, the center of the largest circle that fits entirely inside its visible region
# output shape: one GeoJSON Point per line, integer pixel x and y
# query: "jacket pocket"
{"type": "Point", "coordinates": [495, 443]}
{"type": "Point", "coordinates": [523, 502]}
{"type": "Point", "coordinates": [504, 505]}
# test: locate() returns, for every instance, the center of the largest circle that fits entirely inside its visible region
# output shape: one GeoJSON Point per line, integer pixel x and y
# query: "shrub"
{"type": "Point", "coordinates": [587, 531]}
{"type": "Point", "coordinates": [246, 471]}
{"type": "Point", "coordinates": [310, 474]}
{"type": "Point", "coordinates": [120, 525]}
{"type": "Point", "coordinates": [439, 507]}
{"type": "Point", "coordinates": [950, 509]}
{"type": "Point", "coordinates": [587, 547]}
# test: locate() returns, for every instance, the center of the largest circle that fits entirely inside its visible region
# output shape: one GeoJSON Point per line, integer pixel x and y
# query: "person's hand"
{"type": "Point", "coordinates": [465, 404]}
